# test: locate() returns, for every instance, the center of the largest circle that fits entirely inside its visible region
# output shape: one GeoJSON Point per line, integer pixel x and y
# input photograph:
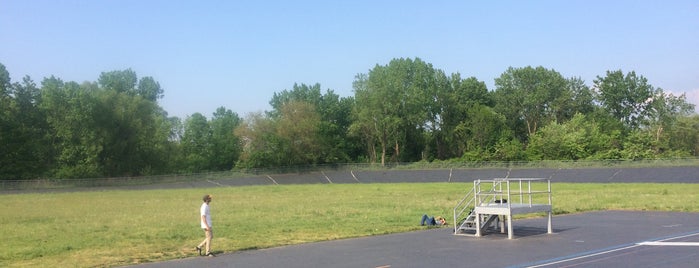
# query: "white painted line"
{"type": "Point", "coordinates": [583, 256]}
{"type": "Point", "coordinates": [690, 244]}
{"type": "Point", "coordinates": [355, 177]}
{"type": "Point", "coordinates": [270, 177]}
{"type": "Point", "coordinates": [648, 243]}
{"type": "Point", "coordinates": [213, 182]}
{"type": "Point", "coordinates": [326, 177]}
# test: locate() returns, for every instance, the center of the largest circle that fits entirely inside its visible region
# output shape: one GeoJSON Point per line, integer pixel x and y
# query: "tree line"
{"type": "Point", "coordinates": [403, 111]}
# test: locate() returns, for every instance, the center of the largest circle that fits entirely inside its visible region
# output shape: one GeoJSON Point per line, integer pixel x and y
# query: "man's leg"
{"type": "Point", "coordinates": [423, 220]}
{"type": "Point", "coordinates": [209, 237]}
{"type": "Point", "coordinates": [206, 244]}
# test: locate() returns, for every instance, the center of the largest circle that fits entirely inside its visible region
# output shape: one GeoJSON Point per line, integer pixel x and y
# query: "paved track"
{"type": "Point", "coordinates": [688, 174]}
{"type": "Point", "coordinates": [685, 174]}
{"type": "Point", "coordinates": [596, 239]}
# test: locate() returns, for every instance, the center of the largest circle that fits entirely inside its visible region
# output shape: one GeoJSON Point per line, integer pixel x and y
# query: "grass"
{"type": "Point", "coordinates": [112, 228]}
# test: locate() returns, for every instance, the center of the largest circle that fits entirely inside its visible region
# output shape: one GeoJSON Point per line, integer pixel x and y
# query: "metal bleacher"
{"type": "Point", "coordinates": [493, 202]}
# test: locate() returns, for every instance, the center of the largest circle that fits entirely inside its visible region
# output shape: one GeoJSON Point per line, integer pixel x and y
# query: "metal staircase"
{"type": "Point", "coordinates": [468, 224]}
{"type": "Point", "coordinates": [489, 204]}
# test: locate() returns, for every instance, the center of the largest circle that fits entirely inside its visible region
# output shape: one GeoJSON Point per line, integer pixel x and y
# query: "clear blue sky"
{"type": "Point", "coordinates": [236, 54]}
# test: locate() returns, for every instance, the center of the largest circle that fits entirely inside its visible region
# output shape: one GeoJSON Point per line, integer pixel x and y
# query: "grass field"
{"type": "Point", "coordinates": [112, 228]}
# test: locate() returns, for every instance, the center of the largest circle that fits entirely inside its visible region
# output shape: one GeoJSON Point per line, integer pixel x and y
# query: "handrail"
{"type": "Point", "coordinates": [474, 195]}
{"type": "Point", "coordinates": [522, 188]}
{"type": "Point", "coordinates": [466, 206]}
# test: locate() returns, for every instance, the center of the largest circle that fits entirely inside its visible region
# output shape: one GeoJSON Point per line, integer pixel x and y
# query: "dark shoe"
{"type": "Point", "coordinates": [199, 249]}
{"type": "Point", "coordinates": [210, 254]}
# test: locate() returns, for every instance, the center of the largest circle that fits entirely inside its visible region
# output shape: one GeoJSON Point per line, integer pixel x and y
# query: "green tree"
{"type": "Point", "coordinates": [628, 98]}
{"type": "Point", "coordinates": [477, 134]}
{"type": "Point", "coordinates": [5, 124]}
{"type": "Point", "coordinates": [23, 139]}
{"type": "Point", "coordinates": [262, 147]}
{"type": "Point", "coordinates": [297, 128]}
{"type": "Point", "coordinates": [128, 131]}
{"type": "Point", "coordinates": [149, 89]}
{"type": "Point", "coordinates": [225, 145]}
{"type": "Point", "coordinates": [119, 81]}
{"type": "Point", "coordinates": [392, 107]}
{"type": "Point", "coordinates": [684, 134]}
{"type": "Point", "coordinates": [462, 97]}
{"type": "Point", "coordinates": [196, 143]}
{"type": "Point", "coordinates": [527, 97]}
{"type": "Point", "coordinates": [5, 82]}
{"type": "Point", "coordinates": [666, 111]}
{"type": "Point", "coordinates": [335, 145]}
{"type": "Point", "coordinates": [69, 110]}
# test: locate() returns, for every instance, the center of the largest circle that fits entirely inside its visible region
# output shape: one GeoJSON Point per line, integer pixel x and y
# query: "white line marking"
{"type": "Point", "coordinates": [270, 177]}
{"type": "Point", "coordinates": [584, 256]}
{"type": "Point", "coordinates": [326, 177]}
{"type": "Point", "coordinates": [649, 243]}
{"type": "Point", "coordinates": [213, 182]}
{"type": "Point", "coordinates": [691, 244]}
{"type": "Point", "coordinates": [355, 177]}
{"type": "Point", "coordinates": [672, 225]}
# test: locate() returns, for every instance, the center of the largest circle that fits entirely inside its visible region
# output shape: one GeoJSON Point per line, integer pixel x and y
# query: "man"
{"type": "Point", "coordinates": [432, 221]}
{"type": "Point", "coordinates": [205, 220]}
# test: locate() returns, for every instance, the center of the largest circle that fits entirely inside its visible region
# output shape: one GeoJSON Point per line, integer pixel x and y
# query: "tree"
{"type": "Point", "coordinates": [261, 145]}
{"type": "Point", "coordinates": [462, 97]}
{"type": "Point", "coordinates": [23, 138]}
{"type": "Point", "coordinates": [628, 98]}
{"type": "Point", "coordinates": [480, 131]}
{"type": "Point", "coordinates": [392, 107]}
{"type": "Point", "coordinates": [684, 135]}
{"type": "Point", "coordinates": [196, 143]}
{"type": "Point", "coordinates": [225, 145]}
{"type": "Point", "coordinates": [527, 97]}
{"type": "Point", "coordinates": [4, 82]}
{"type": "Point", "coordinates": [334, 119]}
{"type": "Point", "coordinates": [119, 81]}
{"type": "Point", "coordinates": [302, 92]}
{"type": "Point", "coordinates": [665, 112]}
{"type": "Point", "coordinates": [69, 110]}
{"type": "Point", "coordinates": [575, 98]}
{"type": "Point", "coordinates": [127, 127]}
{"type": "Point", "coordinates": [149, 89]}
{"type": "Point", "coordinates": [298, 130]}
{"type": "Point", "coordinates": [6, 125]}
{"type": "Point", "coordinates": [576, 139]}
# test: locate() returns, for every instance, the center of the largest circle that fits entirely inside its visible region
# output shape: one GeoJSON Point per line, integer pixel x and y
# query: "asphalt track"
{"type": "Point", "coordinates": [595, 239]}
{"type": "Point", "coordinates": [684, 174]}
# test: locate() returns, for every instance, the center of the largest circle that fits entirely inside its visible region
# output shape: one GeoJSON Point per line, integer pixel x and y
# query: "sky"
{"type": "Point", "coordinates": [237, 54]}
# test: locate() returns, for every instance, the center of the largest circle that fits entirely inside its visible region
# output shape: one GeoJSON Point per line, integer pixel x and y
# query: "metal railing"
{"type": "Point", "coordinates": [523, 189]}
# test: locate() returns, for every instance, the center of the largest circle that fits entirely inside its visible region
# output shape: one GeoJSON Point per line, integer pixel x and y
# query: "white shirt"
{"type": "Point", "coordinates": [204, 211]}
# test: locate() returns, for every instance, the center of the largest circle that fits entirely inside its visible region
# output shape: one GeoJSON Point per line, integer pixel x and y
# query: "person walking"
{"type": "Point", "coordinates": [205, 220]}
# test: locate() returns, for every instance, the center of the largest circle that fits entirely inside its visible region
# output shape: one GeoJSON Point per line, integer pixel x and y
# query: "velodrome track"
{"type": "Point", "coordinates": [594, 239]}
{"type": "Point", "coordinates": [680, 174]}
{"type": "Point", "coordinates": [685, 174]}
